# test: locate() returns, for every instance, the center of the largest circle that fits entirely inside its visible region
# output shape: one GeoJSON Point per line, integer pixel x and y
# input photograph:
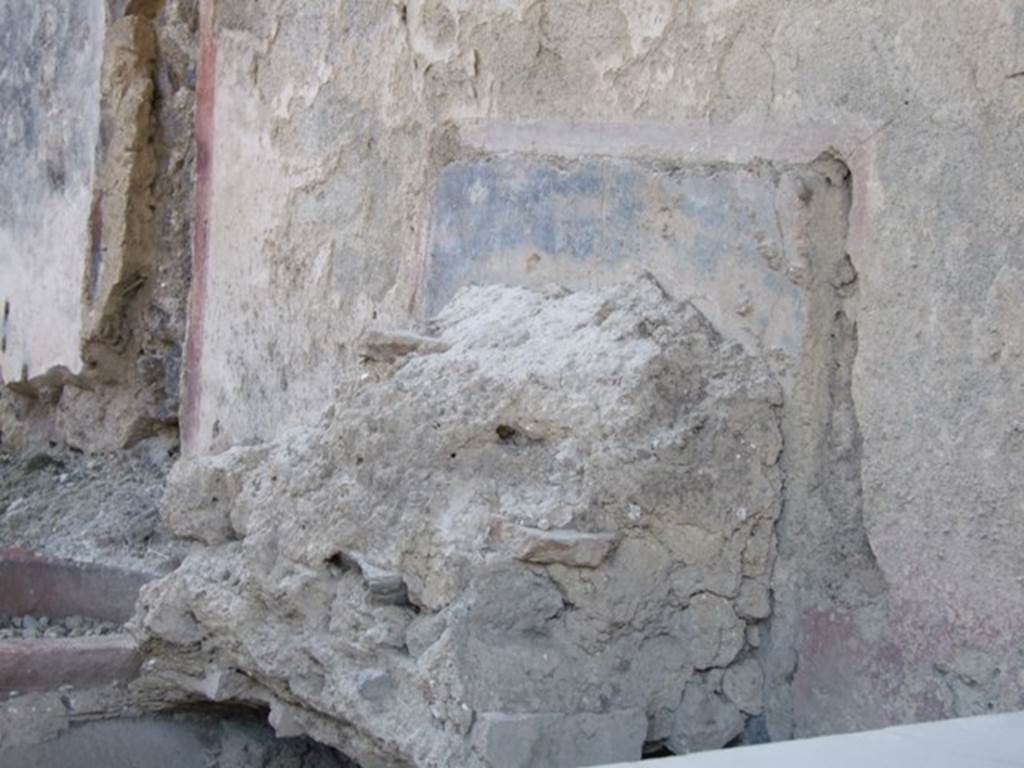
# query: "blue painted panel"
{"type": "Point", "coordinates": [528, 220]}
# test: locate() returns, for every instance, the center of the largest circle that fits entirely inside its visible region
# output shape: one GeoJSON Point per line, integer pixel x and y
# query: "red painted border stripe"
{"type": "Point", "coordinates": [205, 88]}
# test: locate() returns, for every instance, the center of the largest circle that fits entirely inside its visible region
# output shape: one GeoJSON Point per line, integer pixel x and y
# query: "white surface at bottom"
{"type": "Point", "coordinates": [989, 741]}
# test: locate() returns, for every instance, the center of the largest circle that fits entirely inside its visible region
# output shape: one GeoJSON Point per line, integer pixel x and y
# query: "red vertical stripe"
{"type": "Point", "coordinates": [205, 87]}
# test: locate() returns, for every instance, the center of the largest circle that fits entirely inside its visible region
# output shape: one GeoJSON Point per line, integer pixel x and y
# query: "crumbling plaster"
{"type": "Point", "coordinates": [541, 536]}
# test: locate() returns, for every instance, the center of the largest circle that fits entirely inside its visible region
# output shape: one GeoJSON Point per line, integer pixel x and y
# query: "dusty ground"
{"type": "Point", "coordinates": [100, 508]}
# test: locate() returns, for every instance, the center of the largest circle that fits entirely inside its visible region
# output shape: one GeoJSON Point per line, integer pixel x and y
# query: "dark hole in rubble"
{"type": "Point", "coordinates": [656, 751]}
{"type": "Point", "coordinates": [506, 433]}
{"type": "Point", "coordinates": [41, 461]}
{"type": "Point", "coordinates": [338, 560]}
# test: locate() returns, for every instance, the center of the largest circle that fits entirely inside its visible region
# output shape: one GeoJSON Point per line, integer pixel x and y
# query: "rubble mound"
{"type": "Point", "coordinates": [539, 535]}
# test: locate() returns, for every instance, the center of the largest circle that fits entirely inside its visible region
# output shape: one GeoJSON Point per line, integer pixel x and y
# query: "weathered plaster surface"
{"type": "Point", "coordinates": [332, 125]}
{"type": "Point", "coordinates": [50, 91]}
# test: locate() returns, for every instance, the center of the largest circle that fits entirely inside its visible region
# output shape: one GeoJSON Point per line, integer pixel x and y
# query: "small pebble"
{"type": "Point", "coordinates": [29, 627]}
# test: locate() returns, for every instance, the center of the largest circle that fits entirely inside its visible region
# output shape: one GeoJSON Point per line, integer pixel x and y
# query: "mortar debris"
{"type": "Point", "coordinates": [578, 580]}
{"type": "Point", "coordinates": [99, 508]}
{"type": "Point", "coordinates": [31, 627]}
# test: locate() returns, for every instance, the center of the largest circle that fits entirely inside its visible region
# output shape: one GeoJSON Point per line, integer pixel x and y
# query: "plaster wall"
{"type": "Point", "coordinates": [50, 89]}
{"type": "Point", "coordinates": [331, 124]}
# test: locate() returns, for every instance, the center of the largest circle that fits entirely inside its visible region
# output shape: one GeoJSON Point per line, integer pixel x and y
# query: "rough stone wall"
{"type": "Point", "coordinates": [544, 540]}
